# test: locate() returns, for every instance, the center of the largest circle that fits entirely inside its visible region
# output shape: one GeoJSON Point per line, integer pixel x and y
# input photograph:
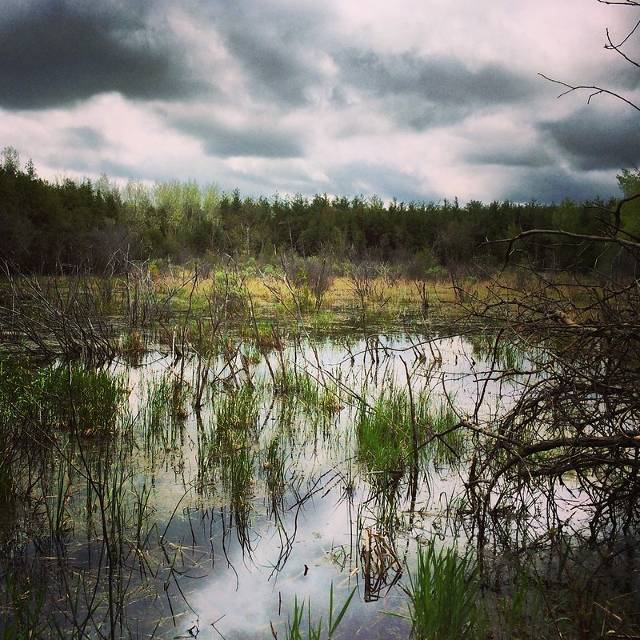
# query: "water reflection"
{"type": "Point", "coordinates": [233, 488]}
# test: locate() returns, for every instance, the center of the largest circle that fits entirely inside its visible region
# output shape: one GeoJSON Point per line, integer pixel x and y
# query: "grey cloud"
{"type": "Point", "coordinates": [59, 51]}
{"type": "Point", "coordinates": [114, 169]}
{"type": "Point", "coordinates": [275, 46]}
{"type": "Point", "coordinates": [272, 68]}
{"type": "Point", "coordinates": [625, 78]}
{"type": "Point", "coordinates": [553, 184]}
{"type": "Point", "coordinates": [509, 156]}
{"type": "Point", "coordinates": [84, 137]}
{"type": "Point", "coordinates": [591, 138]}
{"type": "Point", "coordinates": [434, 90]}
{"type": "Point", "coordinates": [419, 114]}
{"type": "Point", "coordinates": [224, 141]}
{"type": "Point", "coordinates": [95, 164]}
{"type": "Point", "coordinates": [377, 179]}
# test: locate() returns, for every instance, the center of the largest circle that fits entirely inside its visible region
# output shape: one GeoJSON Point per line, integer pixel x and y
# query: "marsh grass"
{"type": "Point", "coordinates": [314, 396]}
{"type": "Point", "coordinates": [237, 412]}
{"type": "Point", "coordinates": [228, 457]}
{"type": "Point", "coordinates": [156, 403]}
{"type": "Point", "coordinates": [67, 397]}
{"type": "Point", "coordinates": [304, 627]}
{"type": "Point", "coordinates": [505, 353]}
{"type": "Point", "coordinates": [288, 381]}
{"type": "Point", "coordinates": [163, 415]}
{"type": "Point", "coordinates": [444, 596]}
{"type": "Point", "coordinates": [238, 480]}
{"type": "Point", "coordinates": [274, 471]}
{"type": "Point", "coordinates": [384, 433]}
{"type": "Point", "coordinates": [388, 433]}
{"type": "Point", "coordinates": [448, 443]}
{"type": "Point", "coordinates": [400, 429]}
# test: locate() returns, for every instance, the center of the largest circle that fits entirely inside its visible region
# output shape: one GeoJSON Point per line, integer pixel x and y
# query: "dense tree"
{"type": "Point", "coordinates": [48, 225]}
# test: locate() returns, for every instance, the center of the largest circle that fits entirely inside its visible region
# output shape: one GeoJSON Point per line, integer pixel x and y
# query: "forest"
{"type": "Point", "coordinates": [52, 226]}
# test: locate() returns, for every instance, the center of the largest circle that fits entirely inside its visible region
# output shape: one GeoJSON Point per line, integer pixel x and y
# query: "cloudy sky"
{"type": "Point", "coordinates": [414, 99]}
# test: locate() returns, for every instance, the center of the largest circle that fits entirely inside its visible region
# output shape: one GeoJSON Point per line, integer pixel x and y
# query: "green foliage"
{"type": "Point", "coordinates": [384, 434]}
{"type": "Point", "coordinates": [49, 224]}
{"type": "Point", "coordinates": [448, 444]}
{"type": "Point", "coordinates": [238, 411]}
{"type": "Point", "coordinates": [274, 468]}
{"type": "Point", "coordinates": [444, 596]}
{"type": "Point", "coordinates": [313, 630]}
{"type": "Point", "coordinates": [629, 182]}
{"type": "Point", "coordinates": [506, 353]}
{"type": "Point", "coordinates": [388, 431]}
{"type": "Point", "coordinates": [163, 413]}
{"type": "Point", "coordinates": [75, 396]}
{"type": "Point", "coordinates": [69, 396]}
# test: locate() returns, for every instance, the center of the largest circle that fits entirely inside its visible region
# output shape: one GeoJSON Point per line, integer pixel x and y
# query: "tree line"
{"type": "Point", "coordinates": [52, 225]}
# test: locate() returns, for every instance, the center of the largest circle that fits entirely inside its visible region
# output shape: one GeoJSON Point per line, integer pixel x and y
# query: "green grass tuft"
{"type": "Point", "coordinates": [444, 596]}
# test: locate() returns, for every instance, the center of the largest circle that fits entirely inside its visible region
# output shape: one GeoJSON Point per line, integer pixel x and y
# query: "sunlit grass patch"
{"type": "Point", "coordinates": [164, 410]}
{"type": "Point", "coordinates": [314, 394]}
{"type": "Point", "coordinates": [399, 429]}
{"type": "Point", "coordinates": [237, 411]}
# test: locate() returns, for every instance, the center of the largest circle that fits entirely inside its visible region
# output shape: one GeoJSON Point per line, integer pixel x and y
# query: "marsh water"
{"type": "Point", "coordinates": [229, 488]}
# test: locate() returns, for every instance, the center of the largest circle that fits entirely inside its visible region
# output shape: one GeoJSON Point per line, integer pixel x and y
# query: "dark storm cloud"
{"type": "Point", "coordinates": [553, 184]}
{"type": "Point", "coordinates": [56, 52]}
{"type": "Point", "coordinates": [592, 138]}
{"type": "Point", "coordinates": [312, 89]}
{"type": "Point", "coordinates": [426, 91]}
{"type": "Point", "coordinates": [225, 141]}
{"type": "Point", "coordinates": [275, 46]}
{"type": "Point", "coordinates": [625, 78]}
{"type": "Point", "coordinates": [419, 114]}
{"type": "Point", "coordinates": [271, 67]}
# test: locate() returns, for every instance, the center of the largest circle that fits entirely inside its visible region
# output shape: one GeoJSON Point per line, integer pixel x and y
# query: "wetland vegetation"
{"type": "Point", "coordinates": [228, 454]}
{"type": "Point", "coordinates": [313, 418]}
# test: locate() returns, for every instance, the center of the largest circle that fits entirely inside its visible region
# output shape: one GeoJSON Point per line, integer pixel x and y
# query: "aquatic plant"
{"type": "Point", "coordinates": [444, 595]}
{"type": "Point", "coordinates": [387, 434]}
{"type": "Point", "coordinates": [289, 381]}
{"type": "Point", "coordinates": [237, 411]}
{"type": "Point", "coordinates": [163, 414]}
{"type": "Point", "coordinates": [313, 630]}
{"type": "Point", "coordinates": [446, 441]}
{"type": "Point", "coordinates": [505, 352]}
{"type": "Point", "coordinates": [316, 397]}
{"type": "Point", "coordinates": [274, 471]}
{"type": "Point", "coordinates": [67, 396]}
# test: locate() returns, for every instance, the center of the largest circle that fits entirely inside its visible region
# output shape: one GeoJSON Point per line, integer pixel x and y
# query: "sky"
{"type": "Point", "coordinates": [412, 99]}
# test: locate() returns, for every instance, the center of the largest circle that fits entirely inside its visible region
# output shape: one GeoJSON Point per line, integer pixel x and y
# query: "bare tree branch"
{"type": "Point", "coordinates": [595, 91]}
{"type": "Point", "coordinates": [610, 46]}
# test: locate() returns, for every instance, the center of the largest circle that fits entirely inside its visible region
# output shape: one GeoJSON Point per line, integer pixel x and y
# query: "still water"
{"type": "Point", "coordinates": [237, 484]}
